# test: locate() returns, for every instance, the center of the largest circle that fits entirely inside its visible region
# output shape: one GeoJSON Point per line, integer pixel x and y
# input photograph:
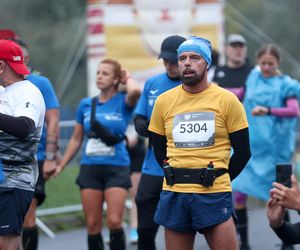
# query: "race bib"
{"type": "Point", "coordinates": [96, 147]}
{"type": "Point", "coordinates": [194, 130]}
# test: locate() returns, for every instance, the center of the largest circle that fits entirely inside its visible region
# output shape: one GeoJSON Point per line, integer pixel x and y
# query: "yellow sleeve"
{"type": "Point", "coordinates": [157, 124]}
{"type": "Point", "coordinates": [236, 116]}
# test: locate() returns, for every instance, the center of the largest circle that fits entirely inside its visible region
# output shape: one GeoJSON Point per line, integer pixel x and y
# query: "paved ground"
{"type": "Point", "coordinates": [261, 236]}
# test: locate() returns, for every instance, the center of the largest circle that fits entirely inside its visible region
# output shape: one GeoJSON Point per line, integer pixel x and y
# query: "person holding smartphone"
{"type": "Point", "coordinates": [283, 198]}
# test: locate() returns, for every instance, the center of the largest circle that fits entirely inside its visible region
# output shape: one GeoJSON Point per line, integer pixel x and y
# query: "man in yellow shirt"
{"type": "Point", "coordinates": [193, 127]}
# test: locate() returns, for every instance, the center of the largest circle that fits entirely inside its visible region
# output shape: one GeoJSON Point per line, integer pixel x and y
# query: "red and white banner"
{"type": "Point", "coordinates": [131, 31]}
{"type": "Point", "coordinates": [95, 42]}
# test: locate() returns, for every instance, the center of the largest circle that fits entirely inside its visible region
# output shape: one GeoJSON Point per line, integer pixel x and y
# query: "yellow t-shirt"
{"type": "Point", "coordinates": [197, 128]}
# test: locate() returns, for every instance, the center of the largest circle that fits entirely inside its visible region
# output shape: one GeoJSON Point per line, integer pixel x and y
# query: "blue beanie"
{"type": "Point", "coordinates": [198, 45]}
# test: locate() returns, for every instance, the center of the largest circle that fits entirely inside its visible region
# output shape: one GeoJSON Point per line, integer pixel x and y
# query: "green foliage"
{"type": "Point", "coordinates": [265, 21]}
{"type": "Point", "coordinates": [49, 28]}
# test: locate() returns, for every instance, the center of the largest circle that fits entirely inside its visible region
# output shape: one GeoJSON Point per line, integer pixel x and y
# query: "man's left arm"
{"type": "Point", "coordinates": [241, 152]}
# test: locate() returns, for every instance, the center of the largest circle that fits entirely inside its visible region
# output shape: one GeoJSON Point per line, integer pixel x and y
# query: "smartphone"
{"type": "Point", "coordinates": [283, 174]}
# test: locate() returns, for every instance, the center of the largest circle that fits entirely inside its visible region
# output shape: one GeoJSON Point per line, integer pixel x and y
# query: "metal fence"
{"type": "Point", "coordinates": [66, 130]}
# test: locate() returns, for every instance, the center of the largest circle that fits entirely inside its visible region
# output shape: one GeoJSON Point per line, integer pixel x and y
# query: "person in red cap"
{"type": "Point", "coordinates": [47, 154]}
{"type": "Point", "coordinates": [22, 112]}
{"type": "Point", "coordinates": [12, 54]}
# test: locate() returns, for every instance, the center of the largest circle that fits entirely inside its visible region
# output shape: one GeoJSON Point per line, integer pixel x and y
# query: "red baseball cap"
{"type": "Point", "coordinates": [8, 34]}
{"type": "Point", "coordinates": [12, 53]}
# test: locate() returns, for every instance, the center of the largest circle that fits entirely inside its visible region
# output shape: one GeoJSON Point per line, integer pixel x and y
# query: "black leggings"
{"type": "Point", "coordinates": [146, 200]}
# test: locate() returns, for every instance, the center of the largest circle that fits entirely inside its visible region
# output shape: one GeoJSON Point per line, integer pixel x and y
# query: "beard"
{"type": "Point", "coordinates": [192, 80]}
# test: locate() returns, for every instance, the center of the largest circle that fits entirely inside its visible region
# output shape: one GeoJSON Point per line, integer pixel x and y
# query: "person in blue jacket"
{"type": "Point", "coordinates": [104, 175]}
{"type": "Point", "coordinates": [151, 180]}
{"type": "Point", "coordinates": [272, 107]}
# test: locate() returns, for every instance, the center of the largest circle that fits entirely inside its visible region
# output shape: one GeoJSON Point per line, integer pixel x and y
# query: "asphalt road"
{"type": "Point", "coordinates": [261, 236]}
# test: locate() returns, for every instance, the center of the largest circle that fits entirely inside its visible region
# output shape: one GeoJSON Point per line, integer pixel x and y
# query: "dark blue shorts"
{"type": "Point", "coordinates": [190, 212]}
{"type": "Point", "coordinates": [14, 204]}
{"type": "Point", "coordinates": [101, 177]}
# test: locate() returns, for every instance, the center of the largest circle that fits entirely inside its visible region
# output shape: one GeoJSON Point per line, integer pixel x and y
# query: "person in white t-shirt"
{"type": "Point", "coordinates": [22, 112]}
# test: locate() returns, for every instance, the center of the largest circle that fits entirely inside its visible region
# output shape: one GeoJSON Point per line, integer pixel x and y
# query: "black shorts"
{"type": "Point", "coordinates": [39, 192]}
{"type": "Point", "coordinates": [14, 204]}
{"type": "Point", "coordinates": [101, 177]}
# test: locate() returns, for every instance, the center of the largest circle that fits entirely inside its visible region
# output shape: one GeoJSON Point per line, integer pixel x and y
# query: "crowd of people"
{"type": "Point", "coordinates": [206, 137]}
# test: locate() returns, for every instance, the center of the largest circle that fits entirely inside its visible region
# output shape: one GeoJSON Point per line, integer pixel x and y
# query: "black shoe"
{"type": "Point", "coordinates": [287, 247]}
{"type": "Point", "coordinates": [244, 247]}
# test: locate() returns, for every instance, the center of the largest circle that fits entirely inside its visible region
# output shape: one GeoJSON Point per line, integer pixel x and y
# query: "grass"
{"type": "Point", "coordinates": [62, 190]}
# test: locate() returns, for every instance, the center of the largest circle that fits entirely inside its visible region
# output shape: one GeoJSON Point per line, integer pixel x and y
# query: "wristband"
{"type": "Point", "coordinates": [51, 142]}
{"type": "Point", "coordinates": [50, 156]}
{"type": "Point", "coordinates": [269, 111]}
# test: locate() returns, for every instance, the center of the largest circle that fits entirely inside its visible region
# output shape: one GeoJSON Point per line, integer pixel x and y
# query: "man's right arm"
{"type": "Point", "coordinates": [141, 124]}
{"type": "Point", "coordinates": [19, 127]}
{"type": "Point", "coordinates": [52, 121]}
{"type": "Point", "coordinates": [141, 121]}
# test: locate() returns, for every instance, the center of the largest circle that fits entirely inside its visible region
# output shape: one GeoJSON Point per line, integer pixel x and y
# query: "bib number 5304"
{"type": "Point", "coordinates": [192, 127]}
{"type": "Point", "coordinates": [194, 130]}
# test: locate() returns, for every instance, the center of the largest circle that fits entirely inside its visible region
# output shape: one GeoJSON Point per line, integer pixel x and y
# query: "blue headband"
{"type": "Point", "coordinates": [198, 45]}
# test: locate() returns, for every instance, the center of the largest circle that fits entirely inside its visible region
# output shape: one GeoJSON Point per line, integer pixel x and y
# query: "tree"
{"type": "Point", "coordinates": [267, 21]}
{"type": "Point", "coordinates": [49, 28]}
